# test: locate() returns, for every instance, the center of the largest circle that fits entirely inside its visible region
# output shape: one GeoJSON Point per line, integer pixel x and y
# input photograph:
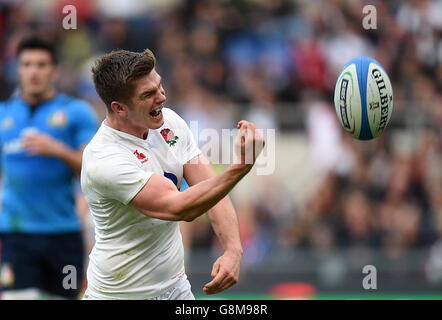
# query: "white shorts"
{"type": "Point", "coordinates": [180, 291]}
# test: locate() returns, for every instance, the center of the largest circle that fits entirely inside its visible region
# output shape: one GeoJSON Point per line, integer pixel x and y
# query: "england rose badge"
{"type": "Point", "coordinates": [169, 137]}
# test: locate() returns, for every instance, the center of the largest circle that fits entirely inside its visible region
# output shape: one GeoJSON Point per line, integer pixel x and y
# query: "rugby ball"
{"type": "Point", "coordinates": [363, 98]}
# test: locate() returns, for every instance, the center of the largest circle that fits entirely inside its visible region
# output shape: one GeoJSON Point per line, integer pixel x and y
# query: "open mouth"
{"type": "Point", "coordinates": [156, 113]}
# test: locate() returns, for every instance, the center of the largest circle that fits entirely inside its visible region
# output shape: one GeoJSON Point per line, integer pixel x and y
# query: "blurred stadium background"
{"type": "Point", "coordinates": [333, 204]}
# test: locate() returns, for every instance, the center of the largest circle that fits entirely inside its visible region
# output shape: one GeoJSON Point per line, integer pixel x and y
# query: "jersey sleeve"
{"type": "Point", "coordinates": [84, 122]}
{"type": "Point", "coordinates": [189, 147]}
{"type": "Point", "coordinates": [117, 177]}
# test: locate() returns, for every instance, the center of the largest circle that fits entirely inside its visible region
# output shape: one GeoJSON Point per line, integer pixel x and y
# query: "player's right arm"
{"type": "Point", "coordinates": [160, 199]}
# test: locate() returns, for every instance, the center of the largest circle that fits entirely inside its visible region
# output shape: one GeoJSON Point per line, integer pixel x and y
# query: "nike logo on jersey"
{"type": "Point", "coordinates": [141, 156]}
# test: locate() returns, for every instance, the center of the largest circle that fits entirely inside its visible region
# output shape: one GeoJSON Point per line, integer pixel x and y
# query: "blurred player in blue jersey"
{"type": "Point", "coordinates": [42, 137]}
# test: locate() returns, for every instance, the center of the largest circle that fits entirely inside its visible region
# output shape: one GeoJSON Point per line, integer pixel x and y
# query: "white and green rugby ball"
{"type": "Point", "coordinates": [363, 98]}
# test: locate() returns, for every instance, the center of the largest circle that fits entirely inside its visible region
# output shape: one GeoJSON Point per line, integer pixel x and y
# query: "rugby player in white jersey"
{"type": "Point", "coordinates": [131, 174]}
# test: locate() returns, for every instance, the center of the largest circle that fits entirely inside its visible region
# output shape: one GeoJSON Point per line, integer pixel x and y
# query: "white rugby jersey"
{"type": "Point", "coordinates": [134, 256]}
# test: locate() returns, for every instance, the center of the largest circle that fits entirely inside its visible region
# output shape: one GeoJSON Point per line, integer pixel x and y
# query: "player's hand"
{"type": "Point", "coordinates": [42, 144]}
{"type": "Point", "coordinates": [225, 273]}
{"type": "Point", "coordinates": [248, 144]}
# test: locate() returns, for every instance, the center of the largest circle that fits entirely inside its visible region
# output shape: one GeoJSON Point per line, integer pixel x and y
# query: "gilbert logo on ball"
{"type": "Point", "coordinates": [363, 98]}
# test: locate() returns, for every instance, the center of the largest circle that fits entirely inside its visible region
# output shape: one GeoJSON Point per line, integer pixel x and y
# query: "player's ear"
{"type": "Point", "coordinates": [119, 108]}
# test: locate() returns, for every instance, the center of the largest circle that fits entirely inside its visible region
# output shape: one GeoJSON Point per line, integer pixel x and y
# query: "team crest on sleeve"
{"type": "Point", "coordinates": [57, 119]}
{"type": "Point", "coordinates": [169, 137]}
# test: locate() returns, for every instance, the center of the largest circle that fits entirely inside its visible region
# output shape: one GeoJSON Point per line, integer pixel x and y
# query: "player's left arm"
{"type": "Point", "coordinates": [225, 271]}
{"type": "Point", "coordinates": [44, 144]}
{"type": "Point", "coordinates": [83, 125]}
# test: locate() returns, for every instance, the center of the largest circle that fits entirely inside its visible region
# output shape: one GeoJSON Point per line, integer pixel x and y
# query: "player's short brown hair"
{"type": "Point", "coordinates": [115, 73]}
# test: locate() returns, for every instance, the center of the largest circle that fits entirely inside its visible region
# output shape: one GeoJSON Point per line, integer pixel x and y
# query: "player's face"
{"type": "Point", "coordinates": [36, 72]}
{"type": "Point", "coordinates": [147, 102]}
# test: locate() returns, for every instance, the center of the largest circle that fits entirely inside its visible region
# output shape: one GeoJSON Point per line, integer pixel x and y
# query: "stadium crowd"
{"type": "Point", "coordinates": [221, 60]}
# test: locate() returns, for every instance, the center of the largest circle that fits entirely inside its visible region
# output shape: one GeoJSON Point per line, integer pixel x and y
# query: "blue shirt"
{"type": "Point", "coordinates": [38, 191]}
